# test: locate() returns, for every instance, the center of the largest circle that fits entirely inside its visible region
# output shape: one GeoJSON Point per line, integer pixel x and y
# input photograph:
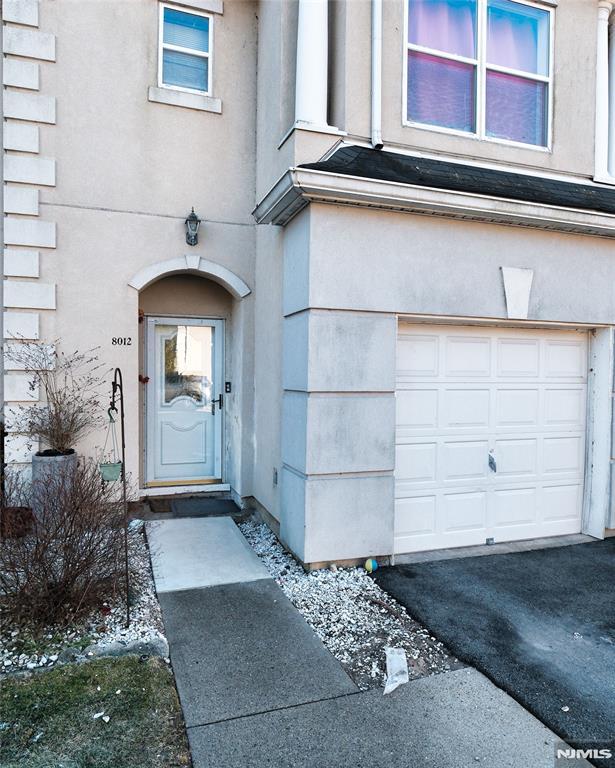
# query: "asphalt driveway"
{"type": "Point", "coordinates": [540, 624]}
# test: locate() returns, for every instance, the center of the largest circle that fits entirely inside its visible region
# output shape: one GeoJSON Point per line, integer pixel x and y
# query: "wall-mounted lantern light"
{"type": "Point", "coordinates": [192, 228]}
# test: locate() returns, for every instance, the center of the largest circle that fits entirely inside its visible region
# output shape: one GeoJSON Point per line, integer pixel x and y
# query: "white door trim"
{"type": "Point", "coordinates": [150, 394]}
{"type": "Point", "coordinates": [497, 322]}
{"type": "Point", "coordinates": [597, 498]}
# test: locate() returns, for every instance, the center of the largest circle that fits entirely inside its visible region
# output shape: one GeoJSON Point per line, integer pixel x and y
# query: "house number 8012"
{"type": "Point", "coordinates": [122, 341]}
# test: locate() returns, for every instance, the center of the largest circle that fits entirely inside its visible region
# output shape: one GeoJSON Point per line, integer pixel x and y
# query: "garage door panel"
{"type": "Point", "coordinates": [466, 407]}
{"type": "Point", "coordinates": [465, 511]}
{"type": "Point", "coordinates": [415, 516]}
{"type": "Point", "coordinates": [520, 395]}
{"type": "Point", "coordinates": [514, 506]}
{"type": "Point", "coordinates": [562, 502]}
{"type": "Point", "coordinates": [468, 356]}
{"type": "Point", "coordinates": [416, 409]}
{"type": "Point", "coordinates": [415, 463]}
{"type": "Point", "coordinates": [418, 355]}
{"type": "Point", "coordinates": [564, 406]}
{"type": "Point", "coordinates": [518, 358]}
{"type": "Point", "coordinates": [517, 407]}
{"type": "Point", "coordinates": [464, 460]}
{"type": "Point", "coordinates": [516, 457]}
{"type": "Point", "coordinates": [563, 454]}
{"type": "Point", "coordinates": [565, 359]}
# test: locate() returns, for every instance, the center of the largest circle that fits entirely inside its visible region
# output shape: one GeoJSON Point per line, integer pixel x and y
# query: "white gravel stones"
{"type": "Point", "coordinates": [104, 630]}
{"type": "Point", "coordinates": [353, 617]}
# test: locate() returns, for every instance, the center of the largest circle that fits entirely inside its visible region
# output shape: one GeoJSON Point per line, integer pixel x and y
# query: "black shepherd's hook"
{"type": "Point", "coordinates": [117, 393]}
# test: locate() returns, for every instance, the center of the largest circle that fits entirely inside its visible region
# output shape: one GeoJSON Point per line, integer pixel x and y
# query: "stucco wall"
{"type": "Point", "coordinates": [118, 150]}
{"type": "Point", "coordinates": [349, 96]}
{"type": "Point", "coordinates": [348, 273]}
{"type": "Point", "coordinates": [268, 368]}
{"type": "Point", "coordinates": [275, 85]}
{"type": "Point", "coordinates": [574, 84]}
{"type": "Point", "coordinates": [95, 304]}
{"type": "Point", "coordinates": [404, 263]}
{"type": "Point", "coordinates": [129, 170]}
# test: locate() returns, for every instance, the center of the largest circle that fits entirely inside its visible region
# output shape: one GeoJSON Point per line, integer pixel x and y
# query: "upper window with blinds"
{"type": "Point", "coordinates": [480, 67]}
{"type": "Point", "coordinates": [184, 58]}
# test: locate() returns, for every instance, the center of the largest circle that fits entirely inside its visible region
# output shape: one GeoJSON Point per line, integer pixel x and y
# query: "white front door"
{"type": "Point", "coordinates": [184, 395]}
{"type": "Point", "coordinates": [490, 436]}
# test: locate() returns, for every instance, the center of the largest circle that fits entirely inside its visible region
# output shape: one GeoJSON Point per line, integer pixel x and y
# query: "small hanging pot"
{"type": "Point", "coordinates": [110, 471]}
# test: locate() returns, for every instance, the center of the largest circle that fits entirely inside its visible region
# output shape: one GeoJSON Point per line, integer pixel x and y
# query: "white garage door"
{"type": "Point", "coordinates": [490, 439]}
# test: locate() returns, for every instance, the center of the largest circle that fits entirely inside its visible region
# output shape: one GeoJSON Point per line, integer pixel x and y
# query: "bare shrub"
{"type": "Point", "coordinates": [16, 513]}
{"type": "Point", "coordinates": [73, 558]}
{"type": "Point", "coordinates": [69, 386]}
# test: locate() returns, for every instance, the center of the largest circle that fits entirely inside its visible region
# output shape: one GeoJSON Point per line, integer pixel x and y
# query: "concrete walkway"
{"type": "Point", "coordinates": [191, 553]}
{"type": "Point", "coordinates": [455, 720]}
{"type": "Point", "coordinates": [258, 688]}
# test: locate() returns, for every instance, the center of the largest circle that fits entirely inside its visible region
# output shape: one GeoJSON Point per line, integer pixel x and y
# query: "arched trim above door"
{"type": "Point", "coordinates": [192, 265]}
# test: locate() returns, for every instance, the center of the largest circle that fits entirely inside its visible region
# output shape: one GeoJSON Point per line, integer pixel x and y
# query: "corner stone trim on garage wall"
{"type": "Point", "coordinates": [338, 434]}
{"type": "Point", "coordinates": [28, 240]}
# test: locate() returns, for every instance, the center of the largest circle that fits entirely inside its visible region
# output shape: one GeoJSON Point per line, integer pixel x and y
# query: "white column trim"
{"type": "Point", "coordinates": [601, 170]}
{"type": "Point", "coordinates": [611, 114]}
{"type": "Point", "coordinates": [376, 134]}
{"type": "Point", "coordinates": [312, 64]}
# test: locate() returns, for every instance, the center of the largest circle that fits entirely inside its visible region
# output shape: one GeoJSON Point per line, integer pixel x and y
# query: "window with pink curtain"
{"type": "Point", "coordinates": [516, 109]}
{"type": "Point", "coordinates": [444, 65]}
{"type": "Point", "coordinates": [442, 91]}
{"type": "Point", "coordinates": [444, 25]}
{"type": "Point", "coordinates": [517, 39]}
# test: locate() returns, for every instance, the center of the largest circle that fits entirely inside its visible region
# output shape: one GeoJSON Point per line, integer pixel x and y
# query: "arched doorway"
{"type": "Point", "coordinates": [189, 331]}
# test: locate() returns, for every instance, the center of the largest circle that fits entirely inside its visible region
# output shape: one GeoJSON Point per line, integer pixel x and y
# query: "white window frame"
{"type": "Point", "coordinates": [162, 46]}
{"type": "Point", "coordinates": [481, 79]}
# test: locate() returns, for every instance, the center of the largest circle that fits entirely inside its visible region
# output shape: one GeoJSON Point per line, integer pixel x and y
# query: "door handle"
{"type": "Point", "coordinates": [220, 402]}
{"type": "Point", "coordinates": [492, 462]}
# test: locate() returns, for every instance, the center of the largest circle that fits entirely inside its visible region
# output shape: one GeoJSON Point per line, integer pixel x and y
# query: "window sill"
{"type": "Point", "coordinates": [183, 99]}
{"type": "Point", "coordinates": [477, 137]}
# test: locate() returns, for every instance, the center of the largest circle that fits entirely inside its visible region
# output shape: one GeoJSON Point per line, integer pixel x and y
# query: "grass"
{"type": "Point", "coordinates": [41, 644]}
{"type": "Point", "coordinates": [46, 720]}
